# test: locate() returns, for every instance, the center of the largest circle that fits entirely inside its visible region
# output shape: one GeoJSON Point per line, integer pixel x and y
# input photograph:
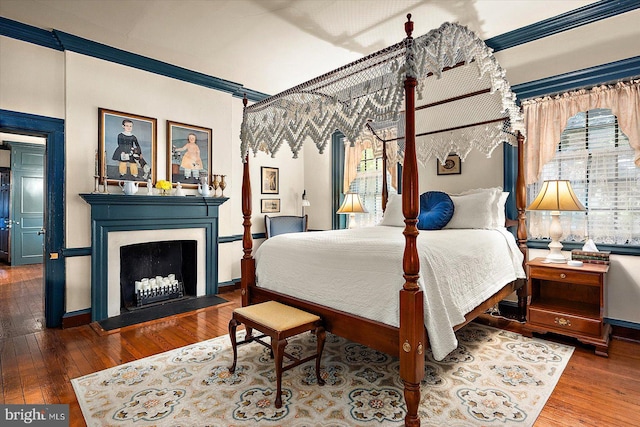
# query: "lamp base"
{"type": "Point", "coordinates": [555, 232]}
{"type": "Point", "coordinates": [352, 221]}
{"type": "Point", "coordinates": [555, 258]}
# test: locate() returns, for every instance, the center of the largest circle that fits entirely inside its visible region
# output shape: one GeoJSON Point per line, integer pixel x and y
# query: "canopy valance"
{"type": "Point", "coordinates": [464, 100]}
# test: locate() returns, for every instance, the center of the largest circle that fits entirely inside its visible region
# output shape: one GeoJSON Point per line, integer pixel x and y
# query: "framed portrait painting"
{"type": "Point", "coordinates": [189, 156]}
{"type": "Point", "coordinates": [270, 205]}
{"type": "Point", "coordinates": [126, 147]}
{"type": "Point", "coordinates": [269, 180]}
{"type": "Point", "coordinates": [451, 166]}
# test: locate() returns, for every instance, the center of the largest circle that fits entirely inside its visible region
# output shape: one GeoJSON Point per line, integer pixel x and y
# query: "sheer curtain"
{"type": "Point", "coordinates": [547, 117]}
{"type": "Point", "coordinates": [363, 175]}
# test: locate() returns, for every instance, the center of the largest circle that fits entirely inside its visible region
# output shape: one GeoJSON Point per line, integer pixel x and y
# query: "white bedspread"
{"type": "Point", "coordinates": [359, 271]}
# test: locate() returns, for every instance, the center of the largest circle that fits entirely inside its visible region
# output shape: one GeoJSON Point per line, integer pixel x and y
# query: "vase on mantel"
{"type": "Point", "coordinates": [215, 184]}
{"type": "Point", "coordinates": [223, 185]}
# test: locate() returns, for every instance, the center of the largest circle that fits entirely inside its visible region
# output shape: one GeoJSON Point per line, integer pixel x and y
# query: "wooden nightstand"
{"type": "Point", "coordinates": [568, 301]}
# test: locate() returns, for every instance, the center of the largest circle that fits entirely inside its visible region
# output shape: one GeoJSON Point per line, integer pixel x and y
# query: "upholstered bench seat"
{"type": "Point", "coordinates": [279, 322]}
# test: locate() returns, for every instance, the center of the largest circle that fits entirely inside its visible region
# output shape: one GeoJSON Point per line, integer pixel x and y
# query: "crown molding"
{"type": "Point", "coordinates": [600, 74]}
{"type": "Point", "coordinates": [575, 18]}
{"type": "Point", "coordinates": [27, 33]}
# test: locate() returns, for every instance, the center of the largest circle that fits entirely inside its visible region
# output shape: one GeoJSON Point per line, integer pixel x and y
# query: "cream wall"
{"type": "Point", "coordinates": [31, 78]}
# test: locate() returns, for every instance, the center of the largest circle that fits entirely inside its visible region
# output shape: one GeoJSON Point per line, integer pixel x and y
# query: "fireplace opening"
{"type": "Point", "coordinates": [173, 259]}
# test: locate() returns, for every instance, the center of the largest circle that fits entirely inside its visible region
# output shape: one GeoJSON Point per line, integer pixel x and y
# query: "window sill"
{"type": "Point", "coordinates": [567, 246]}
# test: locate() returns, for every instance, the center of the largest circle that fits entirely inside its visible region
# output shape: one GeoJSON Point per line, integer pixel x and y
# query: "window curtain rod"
{"type": "Point", "coordinates": [626, 80]}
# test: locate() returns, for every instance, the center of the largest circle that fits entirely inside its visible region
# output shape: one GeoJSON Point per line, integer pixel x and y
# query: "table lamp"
{"type": "Point", "coordinates": [352, 205]}
{"type": "Point", "coordinates": [305, 202]}
{"type": "Point", "coordinates": [556, 196]}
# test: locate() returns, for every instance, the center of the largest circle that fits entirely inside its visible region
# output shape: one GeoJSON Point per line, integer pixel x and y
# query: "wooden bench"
{"type": "Point", "coordinates": [279, 322]}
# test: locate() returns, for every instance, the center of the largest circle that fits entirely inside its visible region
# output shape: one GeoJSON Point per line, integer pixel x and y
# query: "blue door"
{"type": "Point", "coordinates": [27, 203]}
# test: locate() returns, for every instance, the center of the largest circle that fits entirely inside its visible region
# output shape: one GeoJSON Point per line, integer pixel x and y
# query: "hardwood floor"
{"type": "Point", "coordinates": [36, 363]}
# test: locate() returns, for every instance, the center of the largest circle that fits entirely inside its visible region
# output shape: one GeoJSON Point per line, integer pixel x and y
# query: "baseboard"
{"type": "Point", "coordinates": [76, 318]}
{"type": "Point", "coordinates": [229, 286]}
{"type": "Point", "coordinates": [625, 334]}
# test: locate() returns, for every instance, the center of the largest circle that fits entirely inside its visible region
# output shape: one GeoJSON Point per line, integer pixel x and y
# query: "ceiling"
{"type": "Point", "coordinates": [269, 45]}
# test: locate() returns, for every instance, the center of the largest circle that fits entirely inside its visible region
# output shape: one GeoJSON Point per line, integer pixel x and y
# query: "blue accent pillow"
{"type": "Point", "coordinates": [436, 210]}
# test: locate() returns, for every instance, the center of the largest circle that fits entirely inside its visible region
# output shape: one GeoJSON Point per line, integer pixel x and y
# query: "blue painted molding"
{"type": "Point", "coordinates": [622, 323]}
{"type": "Point", "coordinates": [337, 174]}
{"type": "Point", "coordinates": [53, 130]}
{"type": "Point", "coordinates": [509, 177]}
{"type": "Point", "coordinates": [586, 77]}
{"type": "Point", "coordinates": [73, 252]}
{"type": "Point", "coordinates": [27, 33]}
{"type": "Point", "coordinates": [567, 246]}
{"type": "Point", "coordinates": [238, 237]}
{"type": "Point", "coordinates": [232, 282]}
{"type": "Point", "coordinates": [71, 314]}
{"type": "Point", "coordinates": [575, 18]}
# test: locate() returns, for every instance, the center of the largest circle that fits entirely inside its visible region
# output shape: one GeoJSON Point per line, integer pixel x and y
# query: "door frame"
{"type": "Point", "coordinates": [52, 129]}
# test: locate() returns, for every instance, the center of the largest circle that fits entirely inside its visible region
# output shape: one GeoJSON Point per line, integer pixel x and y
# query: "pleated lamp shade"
{"type": "Point", "coordinates": [556, 196]}
{"type": "Point", "coordinates": [352, 204]}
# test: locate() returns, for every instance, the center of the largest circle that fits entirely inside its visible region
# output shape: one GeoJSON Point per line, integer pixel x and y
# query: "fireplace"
{"type": "Point", "coordinates": [119, 221]}
{"type": "Point", "coordinates": [152, 273]}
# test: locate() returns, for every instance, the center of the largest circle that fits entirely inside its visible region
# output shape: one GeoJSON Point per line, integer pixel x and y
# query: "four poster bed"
{"type": "Point", "coordinates": [464, 102]}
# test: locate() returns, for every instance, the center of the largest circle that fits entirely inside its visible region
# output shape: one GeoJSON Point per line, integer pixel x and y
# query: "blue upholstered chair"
{"type": "Point", "coordinates": [274, 225]}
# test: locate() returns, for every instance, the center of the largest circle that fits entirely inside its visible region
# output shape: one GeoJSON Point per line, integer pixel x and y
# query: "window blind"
{"type": "Point", "coordinates": [368, 185]}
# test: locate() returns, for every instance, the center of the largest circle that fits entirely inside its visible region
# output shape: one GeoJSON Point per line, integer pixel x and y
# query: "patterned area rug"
{"type": "Point", "coordinates": [494, 377]}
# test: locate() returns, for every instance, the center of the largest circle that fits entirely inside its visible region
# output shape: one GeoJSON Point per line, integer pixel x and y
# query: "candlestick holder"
{"type": "Point", "coordinates": [96, 185]}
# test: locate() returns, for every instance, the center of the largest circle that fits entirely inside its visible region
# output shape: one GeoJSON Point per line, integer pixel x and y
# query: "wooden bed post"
{"type": "Point", "coordinates": [412, 333]}
{"type": "Point", "coordinates": [385, 190]}
{"type": "Point", "coordinates": [521, 202]}
{"type": "Point", "coordinates": [247, 263]}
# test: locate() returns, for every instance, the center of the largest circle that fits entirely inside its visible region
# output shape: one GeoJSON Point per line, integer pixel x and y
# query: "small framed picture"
{"type": "Point", "coordinates": [189, 160]}
{"type": "Point", "coordinates": [127, 147]}
{"type": "Point", "coordinates": [270, 181]}
{"type": "Point", "coordinates": [451, 166]}
{"type": "Point", "coordinates": [270, 205]}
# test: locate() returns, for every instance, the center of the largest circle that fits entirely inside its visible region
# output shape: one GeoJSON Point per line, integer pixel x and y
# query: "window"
{"type": "Point", "coordinates": [357, 167]}
{"type": "Point", "coordinates": [596, 157]}
{"type": "Point", "coordinates": [368, 184]}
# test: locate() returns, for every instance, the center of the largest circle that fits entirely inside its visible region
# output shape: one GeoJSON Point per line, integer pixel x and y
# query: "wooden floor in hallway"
{"type": "Point", "coordinates": [37, 364]}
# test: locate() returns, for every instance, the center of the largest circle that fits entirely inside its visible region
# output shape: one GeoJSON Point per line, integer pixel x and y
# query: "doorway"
{"type": "Point", "coordinates": [52, 131]}
{"type": "Point", "coordinates": [22, 201]}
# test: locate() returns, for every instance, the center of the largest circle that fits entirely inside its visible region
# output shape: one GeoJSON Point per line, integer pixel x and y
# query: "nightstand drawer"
{"type": "Point", "coordinates": [564, 322]}
{"type": "Point", "coordinates": [568, 276]}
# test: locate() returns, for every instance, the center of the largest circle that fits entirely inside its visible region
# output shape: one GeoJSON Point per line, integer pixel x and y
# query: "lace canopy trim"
{"type": "Point", "coordinates": [463, 101]}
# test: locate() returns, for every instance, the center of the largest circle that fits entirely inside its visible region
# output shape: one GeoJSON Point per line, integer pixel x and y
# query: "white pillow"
{"type": "Point", "coordinates": [475, 210]}
{"type": "Point", "coordinates": [393, 215]}
{"type": "Point", "coordinates": [498, 198]}
{"type": "Point", "coordinates": [502, 214]}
